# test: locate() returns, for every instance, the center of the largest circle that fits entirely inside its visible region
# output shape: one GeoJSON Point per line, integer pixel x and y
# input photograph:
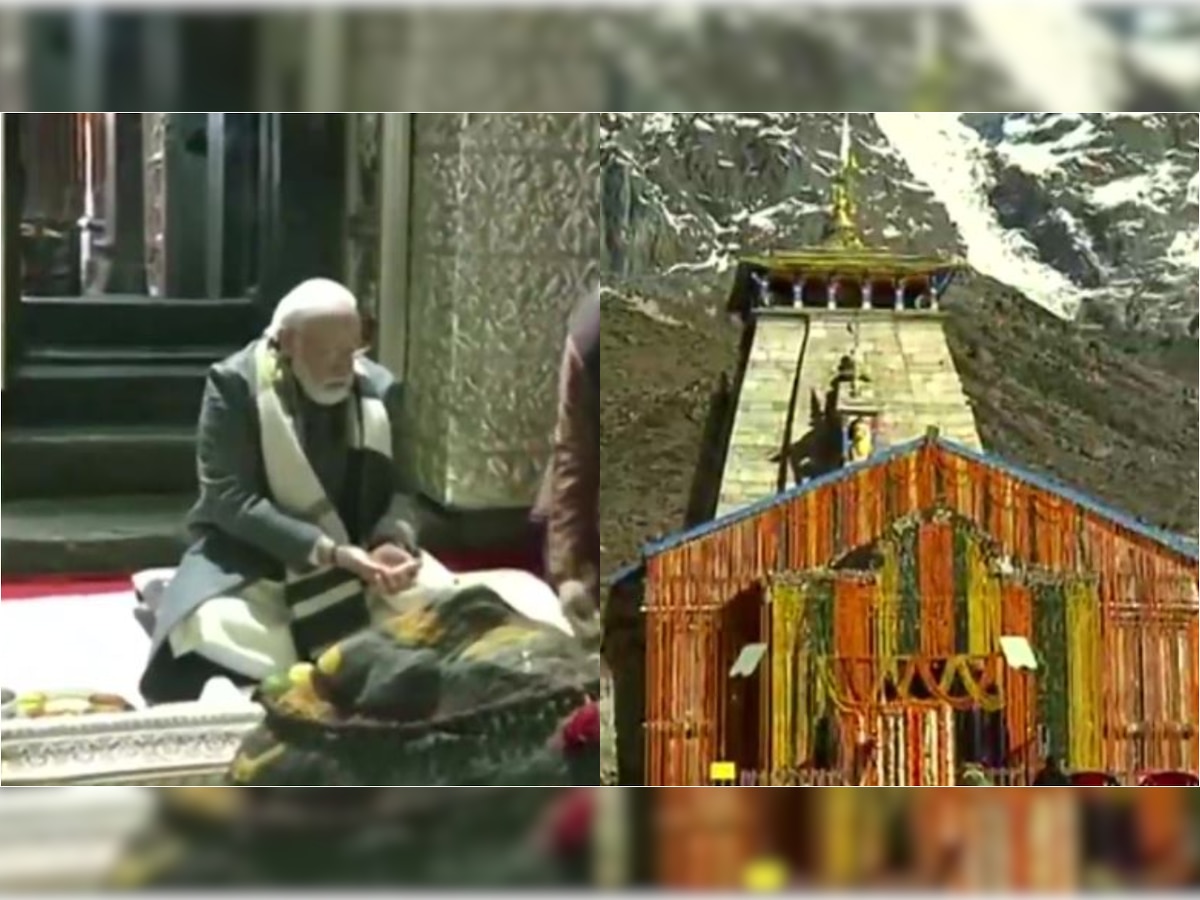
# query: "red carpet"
{"type": "Point", "coordinates": [32, 587]}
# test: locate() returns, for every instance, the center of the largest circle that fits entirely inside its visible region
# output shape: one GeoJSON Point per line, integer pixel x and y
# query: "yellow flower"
{"type": "Point", "coordinates": [300, 675]}
{"type": "Point", "coordinates": [329, 662]}
{"type": "Point", "coordinates": [419, 627]}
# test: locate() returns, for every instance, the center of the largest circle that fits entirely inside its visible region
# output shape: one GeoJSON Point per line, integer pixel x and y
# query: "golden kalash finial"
{"type": "Point", "coordinates": [845, 233]}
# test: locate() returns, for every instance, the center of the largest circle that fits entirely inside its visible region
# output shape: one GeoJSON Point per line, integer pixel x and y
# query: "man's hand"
{"type": "Point", "coordinates": [400, 567]}
{"type": "Point", "coordinates": [359, 563]}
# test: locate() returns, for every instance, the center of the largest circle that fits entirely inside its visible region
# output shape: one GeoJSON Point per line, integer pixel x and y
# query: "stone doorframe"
{"type": "Point", "coordinates": [379, 150]}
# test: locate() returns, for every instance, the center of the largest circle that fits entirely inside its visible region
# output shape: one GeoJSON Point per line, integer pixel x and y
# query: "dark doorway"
{"type": "Point", "coordinates": [148, 246]}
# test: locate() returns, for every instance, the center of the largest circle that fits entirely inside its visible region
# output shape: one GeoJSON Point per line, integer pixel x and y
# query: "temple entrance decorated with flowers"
{"type": "Point", "coordinates": [925, 613]}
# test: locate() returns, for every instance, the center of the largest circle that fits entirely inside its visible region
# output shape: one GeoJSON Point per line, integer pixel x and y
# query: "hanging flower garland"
{"type": "Point", "coordinates": [904, 527]}
{"type": "Point", "coordinates": [977, 680]}
{"type": "Point", "coordinates": [1049, 636]}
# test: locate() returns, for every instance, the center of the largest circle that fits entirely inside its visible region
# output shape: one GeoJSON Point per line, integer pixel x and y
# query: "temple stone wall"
{"type": "Point", "coordinates": [760, 417]}
{"type": "Point", "coordinates": [503, 240]}
{"type": "Point", "coordinates": [906, 357]}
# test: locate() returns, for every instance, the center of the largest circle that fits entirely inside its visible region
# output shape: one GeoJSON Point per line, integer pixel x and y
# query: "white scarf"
{"type": "Point", "coordinates": [294, 485]}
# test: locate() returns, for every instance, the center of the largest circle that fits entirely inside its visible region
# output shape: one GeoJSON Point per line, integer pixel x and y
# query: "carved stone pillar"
{"type": "Point", "coordinates": [505, 239]}
{"type": "Point", "coordinates": [185, 178]}
{"type": "Point", "coordinates": [764, 291]}
{"type": "Point", "coordinates": [154, 128]}
{"type": "Point", "coordinates": [365, 196]}
{"type": "Point", "coordinates": [125, 219]}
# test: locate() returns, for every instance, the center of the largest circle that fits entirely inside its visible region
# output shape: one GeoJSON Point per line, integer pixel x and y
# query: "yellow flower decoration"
{"type": "Point", "coordinates": [419, 627]}
{"type": "Point", "coordinates": [499, 639]}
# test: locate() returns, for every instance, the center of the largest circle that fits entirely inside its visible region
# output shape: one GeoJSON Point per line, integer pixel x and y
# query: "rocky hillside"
{"type": "Point", "coordinates": [1074, 366]}
{"type": "Point", "coordinates": [1109, 201]}
{"type": "Point", "coordinates": [1092, 217]}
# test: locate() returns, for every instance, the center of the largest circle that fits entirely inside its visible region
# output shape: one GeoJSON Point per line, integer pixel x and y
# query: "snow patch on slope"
{"type": "Point", "coordinates": [1038, 158]}
{"type": "Point", "coordinates": [1185, 250]}
{"type": "Point", "coordinates": [1152, 188]}
{"type": "Point", "coordinates": [951, 158]}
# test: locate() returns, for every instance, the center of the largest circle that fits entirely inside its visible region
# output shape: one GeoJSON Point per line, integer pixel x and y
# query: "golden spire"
{"type": "Point", "coordinates": [844, 232]}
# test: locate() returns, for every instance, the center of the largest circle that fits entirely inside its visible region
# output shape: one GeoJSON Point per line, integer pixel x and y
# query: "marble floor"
{"type": "Point", "coordinates": [70, 643]}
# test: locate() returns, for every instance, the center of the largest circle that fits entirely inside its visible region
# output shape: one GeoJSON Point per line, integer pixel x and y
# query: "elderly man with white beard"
{"type": "Point", "coordinates": [301, 534]}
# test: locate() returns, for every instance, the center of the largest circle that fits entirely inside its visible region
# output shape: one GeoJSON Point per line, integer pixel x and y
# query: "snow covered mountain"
{"type": "Point", "coordinates": [1091, 217]}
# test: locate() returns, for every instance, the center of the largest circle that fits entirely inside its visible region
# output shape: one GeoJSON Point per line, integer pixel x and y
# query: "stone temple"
{"type": "Point", "coordinates": [874, 598]}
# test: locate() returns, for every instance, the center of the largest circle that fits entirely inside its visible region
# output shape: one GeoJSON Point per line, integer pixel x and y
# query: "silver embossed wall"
{"type": "Point", "coordinates": [503, 241]}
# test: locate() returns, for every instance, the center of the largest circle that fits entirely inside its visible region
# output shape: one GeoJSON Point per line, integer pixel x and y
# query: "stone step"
{"type": "Point", "coordinates": [47, 394]}
{"type": "Point", "coordinates": [138, 322]}
{"type": "Point", "coordinates": [96, 535]}
{"type": "Point", "coordinates": [98, 461]}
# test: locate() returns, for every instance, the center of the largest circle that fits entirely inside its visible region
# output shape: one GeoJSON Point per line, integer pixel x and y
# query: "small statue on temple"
{"type": "Point", "coordinates": [860, 440]}
{"type": "Point", "coordinates": [852, 373]}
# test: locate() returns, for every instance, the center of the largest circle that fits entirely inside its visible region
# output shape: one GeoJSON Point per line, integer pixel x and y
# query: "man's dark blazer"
{"type": "Point", "coordinates": [239, 534]}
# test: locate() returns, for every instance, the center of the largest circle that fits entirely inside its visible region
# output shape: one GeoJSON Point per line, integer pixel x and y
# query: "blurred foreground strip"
{"type": "Point", "coordinates": [778, 57]}
{"type": "Point", "coordinates": [1048, 839]}
{"type": "Point", "coordinates": [66, 837]}
{"type": "Point", "coordinates": [273, 837]}
{"type": "Point", "coordinates": [222, 837]}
